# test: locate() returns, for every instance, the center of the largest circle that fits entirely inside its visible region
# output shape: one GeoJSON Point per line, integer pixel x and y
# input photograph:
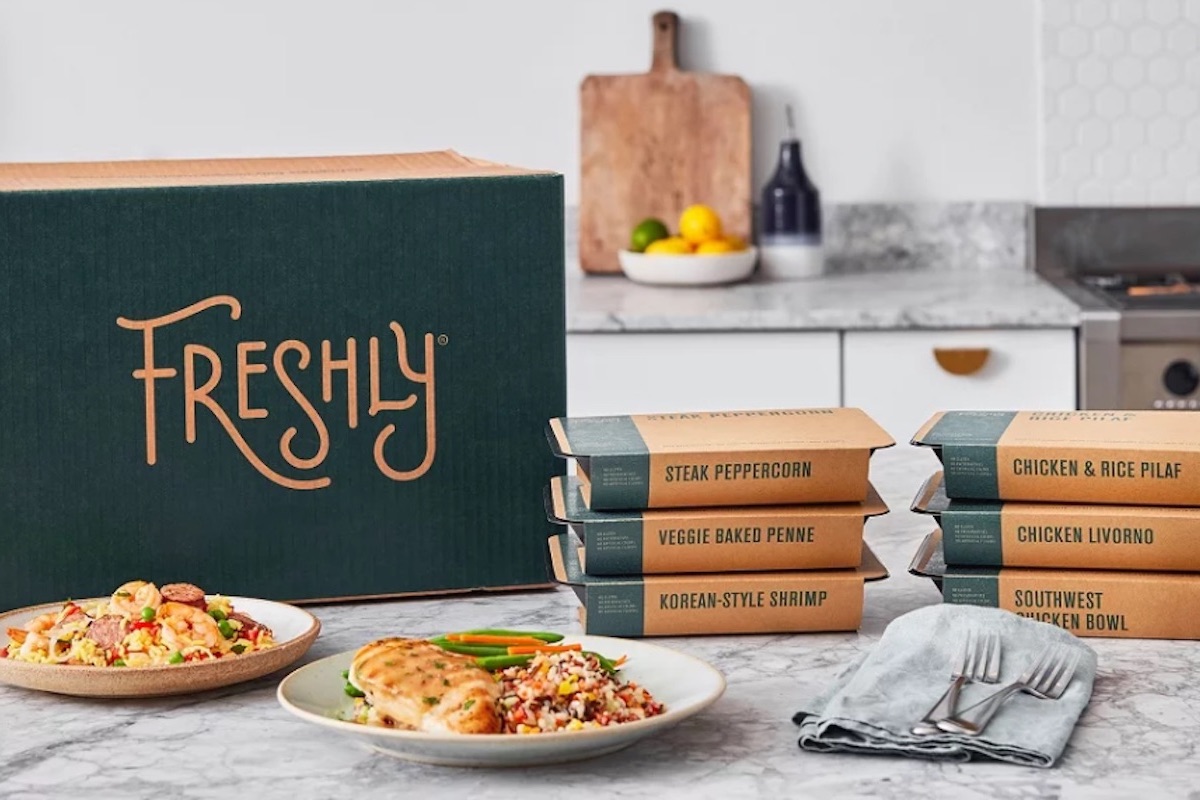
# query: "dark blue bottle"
{"type": "Point", "coordinates": [790, 217]}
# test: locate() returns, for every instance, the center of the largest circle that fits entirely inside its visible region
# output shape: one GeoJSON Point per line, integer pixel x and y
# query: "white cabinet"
{"type": "Point", "coordinates": [901, 377]}
{"type": "Point", "coordinates": [632, 373]}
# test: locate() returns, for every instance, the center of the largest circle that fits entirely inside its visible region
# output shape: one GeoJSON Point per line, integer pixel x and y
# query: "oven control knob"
{"type": "Point", "coordinates": [1181, 378]}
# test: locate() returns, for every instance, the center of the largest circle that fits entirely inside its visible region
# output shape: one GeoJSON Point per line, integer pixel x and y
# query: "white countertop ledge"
{"type": "Point", "coordinates": [912, 299]}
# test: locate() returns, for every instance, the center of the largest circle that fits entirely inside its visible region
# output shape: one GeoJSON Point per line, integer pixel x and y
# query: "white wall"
{"type": "Point", "coordinates": [913, 100]}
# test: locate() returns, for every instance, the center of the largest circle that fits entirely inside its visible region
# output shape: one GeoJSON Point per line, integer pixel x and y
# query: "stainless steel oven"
{"type": "Point", "coordinates": [1135, 273]}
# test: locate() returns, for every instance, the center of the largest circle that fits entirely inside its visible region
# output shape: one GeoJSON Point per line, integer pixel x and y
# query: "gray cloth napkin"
{"type": "Point", "coordinates": [875, 701]}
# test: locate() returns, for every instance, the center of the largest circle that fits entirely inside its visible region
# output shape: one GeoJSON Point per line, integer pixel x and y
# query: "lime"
{"type": "Point", "coordinates": [647, 231]}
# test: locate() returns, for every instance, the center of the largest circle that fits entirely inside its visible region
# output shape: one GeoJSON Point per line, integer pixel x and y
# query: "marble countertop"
{"type": "Point", "coordinates": [894, 299]}
{"type": "Point", "coordinates": [1139, 737]}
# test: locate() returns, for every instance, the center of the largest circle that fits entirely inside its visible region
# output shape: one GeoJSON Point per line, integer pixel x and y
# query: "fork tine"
{"type": "Point", "coordinates": [1049, 674]}
{"type": "Point", "coordinates": [1027, 676]}
{"type": "Point", "coordinates": [1064, 679]}
{"type": "Point", "coordinates": [993, 666]}
{"type": "Point", "coordinates": [979, 663]}
{"type": "Point", "coordinates": [1063, 668]}
{"type": "Point", "coordinates": [963, 661]}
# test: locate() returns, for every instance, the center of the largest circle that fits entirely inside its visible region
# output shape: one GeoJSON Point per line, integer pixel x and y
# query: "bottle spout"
{"type": "Point", "coordinates": [790, 121]}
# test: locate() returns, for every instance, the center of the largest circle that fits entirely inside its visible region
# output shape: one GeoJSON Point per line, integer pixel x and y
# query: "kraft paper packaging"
{"type": "Point", "coordinates": [1099, 603]}
{"type": "Point", "coordinates": [748, 538]}
{"type": "Point", "coordinates": [746, 602]}
{"type": "Point", "coordinates": [1020, 534]}
{"type": "Point", "coordinates": [1110, 457]}
{"type": "Point", "coordinates": [724, 458]}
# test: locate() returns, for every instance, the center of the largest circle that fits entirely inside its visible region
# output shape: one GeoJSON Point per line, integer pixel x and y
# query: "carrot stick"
{"type": "Point", "coordinates": [520, 650]}
{"type": "Point", "coordinates": [477, 638]}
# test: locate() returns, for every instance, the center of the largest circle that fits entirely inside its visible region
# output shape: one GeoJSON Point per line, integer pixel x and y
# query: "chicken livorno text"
{"type": "Point", "coordinates": [1025, 534]}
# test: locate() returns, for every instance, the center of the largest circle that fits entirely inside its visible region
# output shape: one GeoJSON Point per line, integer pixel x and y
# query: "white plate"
{"type": "Point", "coordinates": [294, 631]}
{"type": "Point", "coordinates": [688, 270]}
{"type": "Point", "coordinates": [685, 685]}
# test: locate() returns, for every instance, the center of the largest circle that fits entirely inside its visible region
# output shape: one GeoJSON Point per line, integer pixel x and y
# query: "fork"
{"type": "Point", "coordinates": [1046, 679]}
{"type": "Point", "coordinates": [974, 662]}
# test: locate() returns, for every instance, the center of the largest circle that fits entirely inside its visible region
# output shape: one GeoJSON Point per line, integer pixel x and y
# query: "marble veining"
{"type": "Point", "coordinates": [1139, 736]}
{"type": "Point", "coordinates": [874, 237]}
{"type": "Point", "coordinates": [913, 299]}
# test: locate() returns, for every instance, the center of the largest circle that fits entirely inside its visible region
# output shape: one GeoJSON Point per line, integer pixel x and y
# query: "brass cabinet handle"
{"type": "Point", "coordinates": [961, 360]}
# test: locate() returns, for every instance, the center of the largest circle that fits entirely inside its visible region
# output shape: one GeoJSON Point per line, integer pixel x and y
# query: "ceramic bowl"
{"type": "Point", "coordinates": [294, 630]}
{"type": "Point", "coordinates": [688, 270]}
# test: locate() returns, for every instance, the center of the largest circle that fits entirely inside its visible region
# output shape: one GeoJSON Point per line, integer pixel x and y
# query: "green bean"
{"type": "Point", "coordinates": [353, 691]}
{"type": "Point", "coordinates": [493, 663]}
{"type": "Point", "coordinates": [226, 629]}
{"type": "Point", "coordinates": [607, 664]}
{"type": "Point", "coordinates": [545, 636]}
{"type": "Point", "coordinates": [217, 614]}
{"type": "Point", "coordinates": [471, 649]}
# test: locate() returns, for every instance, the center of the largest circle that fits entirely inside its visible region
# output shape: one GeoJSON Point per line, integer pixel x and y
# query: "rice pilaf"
{"type": "Point", "coordinates": [567, 692]}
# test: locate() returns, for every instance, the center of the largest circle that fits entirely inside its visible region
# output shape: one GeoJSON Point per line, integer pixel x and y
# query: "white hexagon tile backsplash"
{"type": "Point", "coordinates": [1120, 102]}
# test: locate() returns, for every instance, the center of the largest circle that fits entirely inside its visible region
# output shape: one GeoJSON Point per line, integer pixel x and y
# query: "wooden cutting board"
{"type": "Point", "coordinates": [653, 144]}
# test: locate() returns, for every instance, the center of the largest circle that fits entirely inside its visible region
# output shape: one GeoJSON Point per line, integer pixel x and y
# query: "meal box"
{"type": "Point", "coordinates": [737, 602]}
{"type": "Point", "coordinates": [1108, 457]}
{"type": "Point", "coordinates": [1105, 603]}
{"type": "Point", "coordinates": [720, 458]}
{"type": "Point", "coordinates": [294, 379]}
{"type": "Point", "coordinates": [713, 539]}
{"type": "Point", "coordinates": [1020, 534]}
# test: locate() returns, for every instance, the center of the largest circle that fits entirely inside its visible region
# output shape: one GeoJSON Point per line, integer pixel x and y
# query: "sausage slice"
{"type": "Point", "coordinates": [107, 631]}
{"type": "Point", "coordinates": [249, 623]}
{"type": "Point", "coordinates": [187, 593]}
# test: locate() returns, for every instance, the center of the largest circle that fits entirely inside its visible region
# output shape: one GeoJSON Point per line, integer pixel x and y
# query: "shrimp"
{"type": "Point", "coordinates": [34, 643]}
{"type": "Point", "coordinates": [130, 598]}
{"type": "Point", "coordinates": [42, 623]}
{"type": "Point", "coordinates": [185, 626]}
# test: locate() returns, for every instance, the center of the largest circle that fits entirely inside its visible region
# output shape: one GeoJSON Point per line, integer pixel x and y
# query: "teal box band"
{"type": "Point", "coordinates": [614, 548]}
{"type": "Point", "coordinates": [618, 460]}
{"type": "Point", "coordinates": [971, 471]}
{"type": "Point", "coordinates": [972, 537]}
{"type": "Point", "coordinates": [620, 482]}
{"type": "Point", "coordinates": [980, 588]}
{"type": "Point", "coordinates": [616, 609]}
{"type": "Point", "coordinates": [968, 441]}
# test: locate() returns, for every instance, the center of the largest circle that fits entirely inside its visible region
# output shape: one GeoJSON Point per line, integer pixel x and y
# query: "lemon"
{"type": "Point", "coordinates": [699, 224]}
{"type": "Point", "coordinates": [646, 232]}
{"type": "Point", "coordinates": [672, 245]}
{"type": "Point", "coordinates": [736, 242]}
{"type": "Point", "coordinates": [716, 246]}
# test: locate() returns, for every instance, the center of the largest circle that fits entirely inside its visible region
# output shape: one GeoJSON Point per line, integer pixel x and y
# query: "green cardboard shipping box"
{"type": "Point", "coordinates": [300, 379]}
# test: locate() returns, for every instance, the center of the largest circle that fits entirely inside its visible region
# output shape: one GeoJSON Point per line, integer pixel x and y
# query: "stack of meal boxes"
{"type": "Point", "coordinates": [718, 522]}
{"type": "Point", "coordinates": [1089, 520]}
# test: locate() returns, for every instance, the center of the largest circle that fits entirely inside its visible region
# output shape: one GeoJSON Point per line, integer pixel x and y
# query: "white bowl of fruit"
{"type": "Point", "coordinates": [701, 254]}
